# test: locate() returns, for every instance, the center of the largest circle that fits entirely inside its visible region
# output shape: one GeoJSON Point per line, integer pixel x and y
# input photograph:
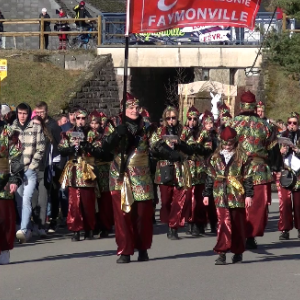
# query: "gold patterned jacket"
{"type": "Point", "coordinates": [229, 183]}
{"type": "Point", "coordinates": [10, 160]}
{"type": "Point", "coordinates": [258, 141]}
{"type": "Point", "coordinates": [137, 164]}
{"type": "Point", "coordinates": [79, 170]}
{"type": "Point", "coordinates": [196, 161]}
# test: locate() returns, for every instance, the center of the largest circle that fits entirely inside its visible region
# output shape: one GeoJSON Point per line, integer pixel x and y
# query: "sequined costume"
{"type": "Point", "coordinates": [229, 182]}
{"type": "Point", "coordinates": [259, 142]}
{"type": "Point", "coordinates": [10, 172]}
{"type": "Point", "coordinates": [79, 176]}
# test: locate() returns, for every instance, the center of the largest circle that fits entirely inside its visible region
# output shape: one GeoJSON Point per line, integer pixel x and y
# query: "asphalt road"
{"type": "Point", "coordinates": [56, 268]}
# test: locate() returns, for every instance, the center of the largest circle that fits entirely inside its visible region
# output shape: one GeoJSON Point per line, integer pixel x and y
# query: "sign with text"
{"type": "Point", "coordinates": [160, 15]}
{"type": "Point", "coordinates": [3, 69]}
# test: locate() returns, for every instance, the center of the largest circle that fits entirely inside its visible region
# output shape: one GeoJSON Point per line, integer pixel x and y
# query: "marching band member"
{"type": "Point", "coordinates": [230, 181]}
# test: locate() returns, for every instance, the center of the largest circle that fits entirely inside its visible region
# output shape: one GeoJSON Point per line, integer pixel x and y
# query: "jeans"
{"type": "Point", "coordinates": [23, 197]}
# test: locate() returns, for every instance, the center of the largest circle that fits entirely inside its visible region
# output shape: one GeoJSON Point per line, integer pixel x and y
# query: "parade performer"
{"type": "Point", "coordinates": [10, 178]}
{"type": "Point", "coordinates": [209, 137]}
{"type": "Point", "coordinates": [105, 214]}
{"type": "Point", "coordinates": [172, 171]}
{"type": "Point", "coordinates": [230, 181]}
{"type": "Point", "coordinates": [286, 209]}
{"type": "Point", "coordinates": [191, 135]}
{"type": "Point", "coordinates": [132, 193]}
{"type": "Point", "coordinates": [79, 175]}
{"type": "Point", "coordinates": [260, 143]}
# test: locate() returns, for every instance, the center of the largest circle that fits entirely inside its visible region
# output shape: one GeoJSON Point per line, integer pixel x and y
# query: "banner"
{"type": "Point", "coordinates": [160, 15]}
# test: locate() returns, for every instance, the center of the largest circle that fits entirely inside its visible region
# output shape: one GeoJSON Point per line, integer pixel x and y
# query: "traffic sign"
{"type": "Point", "coordinates": [3, 69]}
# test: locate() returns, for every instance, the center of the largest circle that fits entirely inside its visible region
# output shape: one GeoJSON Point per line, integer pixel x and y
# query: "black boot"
{"type": "Point", "coordinates": [285, 235]}
{"type": "Point", "coordinates": [237, 258]}
{"type": "Point", "coordinates": [123, 259]}
{"type": "Point", "coordinates": [213, 228]}
{"type": "Point", "coordinates": [189, 228]}
{"type": "Point", "coordinates": [196, 230]}
{"type": "Point", "coordinates": [251, 243]}
{"type": "Point", "coordinates": [76, 236]}
{"type": "Point", "coordinates": [104, 233]}
{"type": "Point", "coordinates": [221, 260]}
{"type": "Point", "coordinates": [89, 235]}
{"type": "Point", "coordinates": [143, 255]}
{"type": "Point", "coordinates": [173, 234]}
{"type": "Point", "coordinates": [202, 229]}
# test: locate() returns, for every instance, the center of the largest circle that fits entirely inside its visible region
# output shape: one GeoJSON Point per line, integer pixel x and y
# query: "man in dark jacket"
{"type": "Point", "coordinates": [2, 38]}
{"type": "Point", "coordinates": [41, 109]}
{"type": "Point", "coordinates": [81, 13]}
{"type": "Point", "coordinates": [47, 27]}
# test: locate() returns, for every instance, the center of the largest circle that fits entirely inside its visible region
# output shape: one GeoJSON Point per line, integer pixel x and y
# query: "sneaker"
{"type": "Point", "coordinates": [285, 235]}
{"type": "Point", "coordinates": [4, 257]}
{"type": "Point", "coordinates": [42, 233]}
{"type": "Point", "coordinates": [237, 258]}
{"type": "Point", "coordinates": [52, 227]}
{"type": "Point", "coordinates": [23, 236]}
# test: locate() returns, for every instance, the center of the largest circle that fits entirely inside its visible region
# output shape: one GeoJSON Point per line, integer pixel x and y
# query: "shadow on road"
{"type": "Point", "coordinates": [69, 256]}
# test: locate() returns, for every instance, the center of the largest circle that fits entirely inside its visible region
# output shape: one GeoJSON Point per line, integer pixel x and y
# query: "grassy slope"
{"type": "Point", "coordinates": [31, 82]}
{"type": "Point", "coordinates": [283, 94]}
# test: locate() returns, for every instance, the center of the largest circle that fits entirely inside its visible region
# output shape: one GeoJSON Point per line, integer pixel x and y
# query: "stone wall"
{"type": "Point", "coordinates": [97, 88]}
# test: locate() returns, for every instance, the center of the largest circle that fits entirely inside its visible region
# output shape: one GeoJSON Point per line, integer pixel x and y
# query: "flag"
{"type": "Point", "coordinates": [160, 15]}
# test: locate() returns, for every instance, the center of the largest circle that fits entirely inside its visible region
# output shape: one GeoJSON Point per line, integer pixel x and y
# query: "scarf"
{"type": "Point", "coordinates": [227, 155]}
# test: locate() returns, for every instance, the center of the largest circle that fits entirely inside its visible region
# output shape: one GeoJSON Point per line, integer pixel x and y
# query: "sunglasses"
{"type": "Point", "coordinates": [80, 118]}
{"type": "Point", "coordinates": [192, 119]}
{"type": "Point", "coordinates": [171, 118]}
{"type": "Point", "coordinates": [292, 123]}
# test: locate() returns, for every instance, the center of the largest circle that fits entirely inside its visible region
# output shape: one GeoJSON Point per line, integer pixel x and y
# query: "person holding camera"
{"type": "Point", "coordinates": [79, 176]}
{"type": "Point", "coordinates": [289, 197]}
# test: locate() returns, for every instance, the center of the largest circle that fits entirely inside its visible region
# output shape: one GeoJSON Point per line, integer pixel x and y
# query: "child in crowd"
{"type": "Point", "coordinates": [229, 181]}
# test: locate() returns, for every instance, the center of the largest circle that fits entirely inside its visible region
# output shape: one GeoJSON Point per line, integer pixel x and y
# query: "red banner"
{"type": "Point", "coordinates": [159, 15]}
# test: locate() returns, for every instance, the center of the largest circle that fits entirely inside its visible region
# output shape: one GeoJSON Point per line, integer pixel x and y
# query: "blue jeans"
{"type": "Point", "coordinates": [23, 197]}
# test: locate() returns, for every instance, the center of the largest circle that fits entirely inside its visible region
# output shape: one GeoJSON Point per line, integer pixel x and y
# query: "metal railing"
{"type": "Point", "coordinates": [113, 29]}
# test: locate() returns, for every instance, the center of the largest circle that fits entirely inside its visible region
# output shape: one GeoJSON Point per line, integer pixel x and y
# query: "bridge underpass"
{"type": "Point", "coordinates": [155, 71]}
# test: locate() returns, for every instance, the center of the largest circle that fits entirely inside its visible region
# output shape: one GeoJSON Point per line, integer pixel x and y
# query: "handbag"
{"type": "Point", "coordinates": [167, 174]}
{"type": "Point", "coordinates": [288, 179]}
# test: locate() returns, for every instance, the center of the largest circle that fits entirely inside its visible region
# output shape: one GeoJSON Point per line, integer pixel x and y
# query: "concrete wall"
{"type": "Point", "coordinates": [183, 56]}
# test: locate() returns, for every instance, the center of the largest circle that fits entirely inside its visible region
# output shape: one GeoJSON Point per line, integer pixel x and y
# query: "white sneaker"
{"type": "Point", "coordinates": [4, 257]}
{"type": "Point", "coordinates": [42, 233]}
{"type": "Point", "coordinates": [22, 236]}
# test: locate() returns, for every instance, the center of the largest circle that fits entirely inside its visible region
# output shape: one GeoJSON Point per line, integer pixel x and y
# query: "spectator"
{"type": "Point", "coordinates": [10, 117]}
{"type": "Point", "coordinates": [41, 110]}
{"type": "Point", "coordinates": [33, 142]}
{"type": "Point", "coordinates": [44, 180]}
{"type": "Point", "coordinates": [5, 109]}
{"type": "Point", "coordinates": [72, 119]}
{"type": "Point", "coordinates": [47, 27]}
{"type": "Point", "coordinates": [63, 119]}
{"type": "Point", "coordinates": [2, 38]}
{"type": "Point", "coordinates": [62, 26]}
{"type": "Point", "coordinates": [81, 13]}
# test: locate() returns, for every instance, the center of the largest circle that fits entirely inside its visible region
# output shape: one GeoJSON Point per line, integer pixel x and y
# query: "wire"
{"type": "Point", "coordinates": [259, 51]}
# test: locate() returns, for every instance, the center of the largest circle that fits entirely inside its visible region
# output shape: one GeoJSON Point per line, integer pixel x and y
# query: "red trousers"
{"type": "Point", "coordinates": [106, 212]}
{"type": "Point", "coordinates": [286, 209]}
{"type": "Point", "coordinates": [175, 207]}
{"type": "Point", "coordinates": [231, 230]}
{"type": "Point", "coordinates": [7, 224]}
{"type": "Point", "coordinates": [197, 213]}
{"type": "Point", "coordinates": [257, 214]}
{"type": "Point", "coordinates": [134, 230]}
{"type": "Point", "coordinates": [81, 214]}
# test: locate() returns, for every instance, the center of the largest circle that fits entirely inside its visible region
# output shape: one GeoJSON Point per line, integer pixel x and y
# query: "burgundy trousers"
{"type": "Point", "coordinates": [106, 212]}
{"type": "Point", "coordinates": [134, 230]}
{"type": "Point", "coordinates": [197, 213]}
{"type": "Point", "coordinates": [231, 230]}
{"type": "Point", "coordinates": [175, 207]}
{"type": "Point", "coordinates": [81, 214]}
{"type": "Point", "coordinates": [257, 214]}
{"type": "Point", "coordinates": [287, 208]}
{"type": "Point", "coordinates": [7, 224]}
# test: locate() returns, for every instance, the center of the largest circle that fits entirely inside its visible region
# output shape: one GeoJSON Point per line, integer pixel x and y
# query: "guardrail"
{"type": "Point", "coordinates": [41, 33]}
{"type": "Point", "coordinates": [113, 29]}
